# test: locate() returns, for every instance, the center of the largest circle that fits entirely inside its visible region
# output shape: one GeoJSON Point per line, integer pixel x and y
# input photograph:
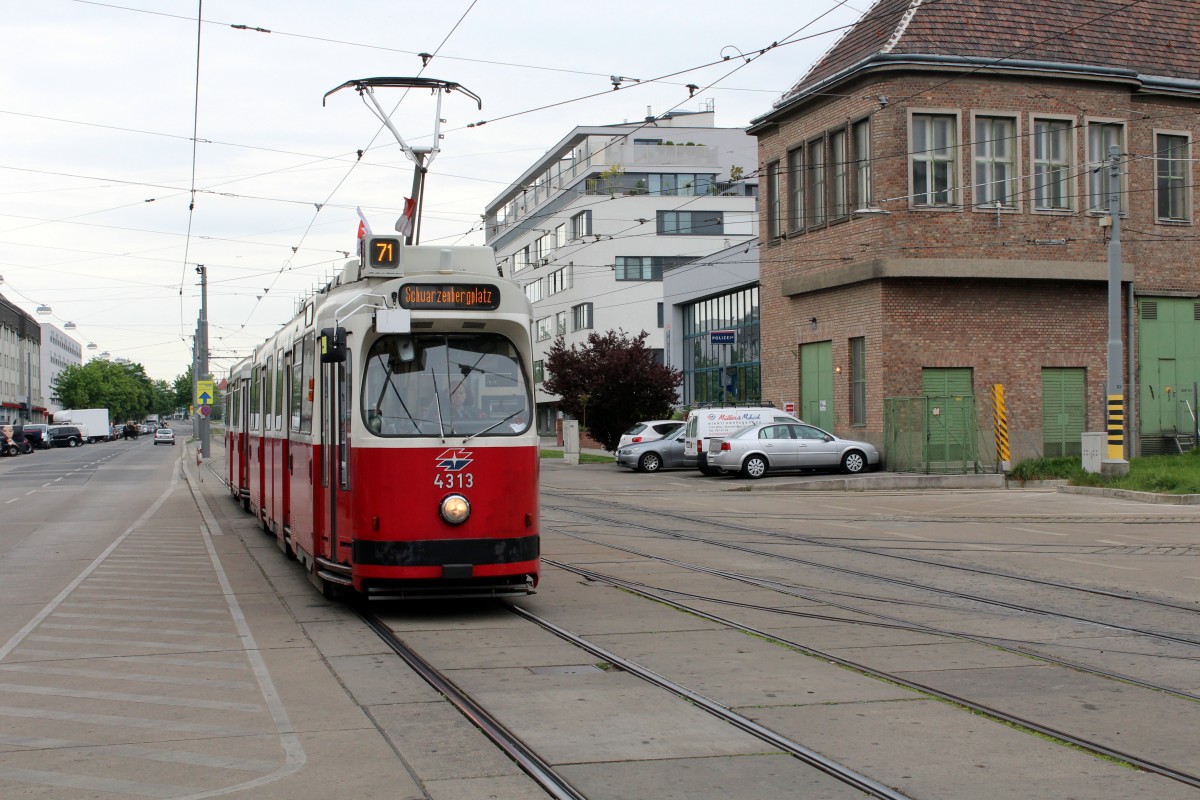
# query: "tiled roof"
{"type": "Point", "coordinates": [1158, 38]}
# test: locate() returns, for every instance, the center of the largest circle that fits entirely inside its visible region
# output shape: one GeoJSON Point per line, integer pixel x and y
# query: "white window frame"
{"type": "Point", "coordinates": [1184, 162]}
{"type": "Point", "coordinates": [544, 328]}
{"type": "Point", "coordinates": [984, 163]}
{"type": "Point", "coordinates": [861, 165]}
{"type": "Point", "coordinates": [952, 156]}
{"type": "Point", "coordinates": [1097, 166]}
{"type": "Point", "coordinates": [1071, 181]}
{"type": "Point", "coordinates": [533, 290]}
{"type": "Point", "coordinates": [581, 316]}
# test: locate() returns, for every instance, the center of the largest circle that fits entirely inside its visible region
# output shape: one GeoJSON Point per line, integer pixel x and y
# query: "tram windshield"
{"type": "Point", "coordinates": [445, 385]}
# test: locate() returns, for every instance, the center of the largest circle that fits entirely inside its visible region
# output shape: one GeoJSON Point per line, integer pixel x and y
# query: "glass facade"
{"type": "Point", "coordinates": [716, 370]}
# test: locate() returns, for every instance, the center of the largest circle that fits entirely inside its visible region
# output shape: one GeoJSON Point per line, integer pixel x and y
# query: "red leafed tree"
{"type": "Point", "coordinates": [610, 383]}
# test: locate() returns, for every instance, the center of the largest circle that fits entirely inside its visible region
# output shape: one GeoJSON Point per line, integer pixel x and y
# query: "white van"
{"type": "Point", "coordinates": [704, 424]}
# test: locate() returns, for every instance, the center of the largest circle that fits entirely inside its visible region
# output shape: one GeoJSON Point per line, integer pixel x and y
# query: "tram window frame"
{"type": "Point", "coordinates": [295, 386]}
{"type": "Point", "coordinates": [268, 374]}
{"type": "Point", "coordinates": [280, 371]}
{"type": "Point", "coordinates": [255, 396]}
{"type": "Point", "coordinates": [308, 384]}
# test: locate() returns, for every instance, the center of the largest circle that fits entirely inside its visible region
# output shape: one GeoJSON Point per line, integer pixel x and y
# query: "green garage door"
{"type": "Point", "coordinates": [1064, 402]}
{"type": "Point", "coordinates": [950, 419]}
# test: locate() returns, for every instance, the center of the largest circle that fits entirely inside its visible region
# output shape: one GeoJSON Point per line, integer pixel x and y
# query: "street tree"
{"type": "Point", "coordinates": [610, 383]}
{"type": "Point", "coordinates": [124, 389]}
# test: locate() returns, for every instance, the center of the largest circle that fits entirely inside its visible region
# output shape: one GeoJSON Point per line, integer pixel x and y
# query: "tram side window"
{"type": "Point", "coordinates": [255, 398]}
{"type": "Point", "coordinates": [433, 385]}
{"type": "Point", "coordinates": [296, 381]}
{"type": "Point", "coordinates": [307, 383]}
{"type": "Point", "coordinates": [267, 374]}
{"type": "Point", "coordinates": [279, 372]}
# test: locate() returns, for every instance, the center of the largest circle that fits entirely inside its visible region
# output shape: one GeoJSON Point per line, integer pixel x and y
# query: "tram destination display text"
{"type": "Point", "coordinates": [446, 296]}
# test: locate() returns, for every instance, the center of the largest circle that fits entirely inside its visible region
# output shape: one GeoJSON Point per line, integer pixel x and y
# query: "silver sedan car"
{"type": "Point", "coordinates": [774, 446]}
{"type": "Point", "coordinates": [666, 453]}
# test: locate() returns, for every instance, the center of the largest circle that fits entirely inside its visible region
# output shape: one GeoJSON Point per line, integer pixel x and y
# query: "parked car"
{"type": "Point", "coordinates": [164, 436]}
{"type": "Point", "coordinates": [774, 446]}
{"type": "Point", "coordinates": [35, 434]}
{"type": "Point", "coordinates": [65, 436]}
{"type": "Point", "coordinates": [655, 455]}
{"type": "Point", "coordinates": [649, 431]}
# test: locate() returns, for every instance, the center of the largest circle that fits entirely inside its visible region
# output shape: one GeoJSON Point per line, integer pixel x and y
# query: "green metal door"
{"type": "Point", "coordinates": [1064, 403]}
{"type": "Point", "coordinates": [1169, 362]}
{"type": "Point", "coordinates": [949, 430]}
{"type": "Point", "coordinates": [816, 384]}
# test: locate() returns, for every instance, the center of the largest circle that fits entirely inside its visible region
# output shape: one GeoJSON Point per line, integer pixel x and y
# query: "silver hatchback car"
{"type": "Point", "coordinates": [775, 446]}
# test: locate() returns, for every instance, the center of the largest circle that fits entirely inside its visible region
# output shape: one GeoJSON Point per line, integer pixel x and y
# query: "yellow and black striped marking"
{"type": "Point", "coordinates": [1000, 421]}
{"type": "Point", "coordinates": [1116, 427]}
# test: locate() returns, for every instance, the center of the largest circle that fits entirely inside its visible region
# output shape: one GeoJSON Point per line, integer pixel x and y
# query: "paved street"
{"type": "Point", "coordinates": [156, 643]}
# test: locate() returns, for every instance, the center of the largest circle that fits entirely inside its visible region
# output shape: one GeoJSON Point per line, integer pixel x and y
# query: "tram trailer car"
{"type": "Point", "coordinates": [385, 434]}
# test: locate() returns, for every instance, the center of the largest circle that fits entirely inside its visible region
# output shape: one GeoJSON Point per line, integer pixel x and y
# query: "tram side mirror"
{"type": "Point", "coordinates": [333, 345]}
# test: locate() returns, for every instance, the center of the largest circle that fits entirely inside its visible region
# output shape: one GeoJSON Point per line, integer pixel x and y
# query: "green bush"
{"type": "Point", "coordinates": [1046, 469]}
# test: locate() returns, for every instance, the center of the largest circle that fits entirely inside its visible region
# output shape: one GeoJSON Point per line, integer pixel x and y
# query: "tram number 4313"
{"type": "Point", "coordinates": [454, 480]}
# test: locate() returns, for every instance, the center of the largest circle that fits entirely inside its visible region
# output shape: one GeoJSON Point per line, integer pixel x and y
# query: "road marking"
{"type": "Point", "coordinates": [128, 722]}
{"type": "Point", "coordinates": [1094, 564]}
{"type": "Point", "coordinates": [6, 502]}
{"type": "Point", "coordinates": [144, 753]}
{"type": "Point", "coordinates": [43, 669]}
{"type": "Point", "coordinates": [906, 535]}
{"type": "Point", "coordinates": [1110, 541]}
{"type": "Point", "coordinates": [91, 783]}
{"type": "Point", "coordinates": [129, 697]}
{"type": "Point", "coordinates": [1044, 533]}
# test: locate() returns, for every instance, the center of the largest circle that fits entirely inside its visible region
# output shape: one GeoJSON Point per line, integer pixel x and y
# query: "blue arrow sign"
{"type": "Point", "coordinates": [204, 398]}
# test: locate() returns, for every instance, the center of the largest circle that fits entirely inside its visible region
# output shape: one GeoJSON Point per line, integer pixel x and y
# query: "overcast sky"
{"type": "Point", "coordinates": [100, 101]}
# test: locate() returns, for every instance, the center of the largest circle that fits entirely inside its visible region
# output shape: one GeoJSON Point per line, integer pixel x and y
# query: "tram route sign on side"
{"type": "Point", "coordinates": [204, 393]}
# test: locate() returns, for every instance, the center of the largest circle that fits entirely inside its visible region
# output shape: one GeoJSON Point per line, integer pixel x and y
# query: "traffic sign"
{"type": "Point", "coordinates": [204, 393]}
{"type": "Point", "coordinates": [205, 410]}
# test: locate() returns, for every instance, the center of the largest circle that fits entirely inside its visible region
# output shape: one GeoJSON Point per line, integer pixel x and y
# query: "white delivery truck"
{"type": "Point", "coordinates": [92, 422]}
{"type": "Point", "coordinates": [704, 424]}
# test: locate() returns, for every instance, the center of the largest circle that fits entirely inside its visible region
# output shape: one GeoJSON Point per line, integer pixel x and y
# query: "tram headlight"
{"type": "Point", "coordinates": [455, 509]}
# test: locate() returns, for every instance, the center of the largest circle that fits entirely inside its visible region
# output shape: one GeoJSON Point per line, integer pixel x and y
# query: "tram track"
{"type": "Point", "coordinates": [1097, 748]}
{"type": "Point", "coordinates": [878, 576]}
{"type": "Point", "coordinates": [544, 774]}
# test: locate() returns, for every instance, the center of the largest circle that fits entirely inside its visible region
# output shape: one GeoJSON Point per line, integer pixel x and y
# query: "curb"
{"type": "Point", "coordinates": [1141, 497]}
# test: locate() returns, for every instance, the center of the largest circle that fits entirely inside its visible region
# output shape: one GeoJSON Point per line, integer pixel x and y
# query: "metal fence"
{"type": "Point", "coordinates": [935, 434]}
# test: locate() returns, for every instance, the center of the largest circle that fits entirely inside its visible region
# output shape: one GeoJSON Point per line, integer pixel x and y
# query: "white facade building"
{"type": "Point", "coordinates": [59, 351]}
{"type": "Point", "coordinates": [590, 227]}
{"type": "Point", "coordinates": [21, 396]}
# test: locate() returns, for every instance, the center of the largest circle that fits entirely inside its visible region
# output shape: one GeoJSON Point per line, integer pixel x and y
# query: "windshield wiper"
{"type": "Point", "coordinates": [493, 425]}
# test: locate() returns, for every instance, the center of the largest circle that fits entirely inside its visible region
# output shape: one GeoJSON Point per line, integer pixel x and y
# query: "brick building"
{"type": "Point", "coordinates": [934, 221]}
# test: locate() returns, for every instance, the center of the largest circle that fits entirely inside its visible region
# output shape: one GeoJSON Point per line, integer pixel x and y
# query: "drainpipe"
{"type": "Point", "coordinates": [1135, 441]}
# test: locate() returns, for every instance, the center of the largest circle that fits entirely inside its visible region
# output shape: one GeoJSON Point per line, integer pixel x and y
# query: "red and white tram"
{"type": "Point", "coordinates": [385, 434]}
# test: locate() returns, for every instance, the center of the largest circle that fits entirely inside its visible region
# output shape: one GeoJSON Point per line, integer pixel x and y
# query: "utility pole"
{"type": "Point", "coordinates": [202, 425]}
{"type": "Point", "coordinates": [1114, 462]}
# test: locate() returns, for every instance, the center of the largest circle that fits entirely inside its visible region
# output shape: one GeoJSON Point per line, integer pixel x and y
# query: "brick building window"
{"type": "Point", "coordinates": [774, 211]}
{"type": "Point", "coordinates": [995, 170]}
{"type": "Point", "coordinates": [795, 176]}
{"type": "Point", "coordinates": [839, 174]}
{"type": "Point", "coordinates": [934, 159]}
{"type": "Point", "coordinates": [1051, 164]}
{"type": "Point", "coordinates": [858, 381]}
{"type": "Point", "coordinates": [1102, 136]}
{"type": "Point", "coordinates": [814, 183]}
{"type": "Point", "coordinates": [860, 134]}
{"type": "Point", "coordinates": [1171, 170]}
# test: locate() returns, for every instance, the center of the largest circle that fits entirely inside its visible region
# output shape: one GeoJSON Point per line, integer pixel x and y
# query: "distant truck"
{"type": "Point", "coordinates": [92, 422]}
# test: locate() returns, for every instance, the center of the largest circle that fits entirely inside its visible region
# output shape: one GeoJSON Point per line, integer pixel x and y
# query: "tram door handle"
{"type": "Point", "coordinates": [290, 469]}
